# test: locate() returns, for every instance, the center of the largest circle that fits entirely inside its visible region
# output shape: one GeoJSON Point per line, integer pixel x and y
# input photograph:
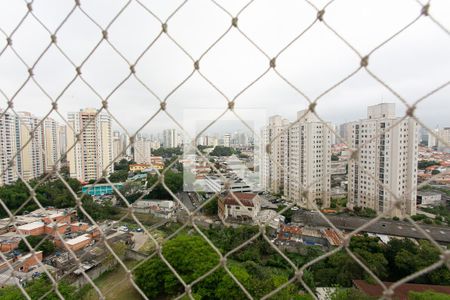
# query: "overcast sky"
{"type": "Point", "coordinates": [415, 62]}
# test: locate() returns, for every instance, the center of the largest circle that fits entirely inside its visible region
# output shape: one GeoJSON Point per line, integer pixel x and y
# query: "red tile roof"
{"type": "Point", "coordinates": [245, 198]}
{"type": "Point", "coordinates": [401, 292]}
{"type": "Point", "coordinates": [333, 236]}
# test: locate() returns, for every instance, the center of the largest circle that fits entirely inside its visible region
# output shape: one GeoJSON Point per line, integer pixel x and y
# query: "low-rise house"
{"type": "Point", "coordinates": [54, 229]}
{"type": "Point", "coordinates": [79, 226]}
{"type": "Point", "coordinates": [35, 228]}
{"type": "Point", "coordinates": [290, 233]}
{"type": "Point", "coordinates": [58, 217]}
{"type": "Point", "coordinates": [248, 206]}
{"type": "Point", "coordinates": [138, 167]}
{"type": "Point", "coordinates": [425, 198]}
{"type": "Point", "coordinates": [270, 218]}
{"type": "Point", "coordinates": [79, 242]}
{"type": "Point", "coordinates": [159, 208]}
{"type": "Point", "coordinates": [24, 263]}
{"type": "Point", "coordinates": [9, 241]}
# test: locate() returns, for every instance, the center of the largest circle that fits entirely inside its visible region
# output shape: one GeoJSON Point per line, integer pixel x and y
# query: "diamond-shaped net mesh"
{"type": "Point", "coordinates": [131, 59]}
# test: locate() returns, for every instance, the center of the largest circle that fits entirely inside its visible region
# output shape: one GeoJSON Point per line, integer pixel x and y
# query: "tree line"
{"type": "Point", "coordinates": [261, 269]}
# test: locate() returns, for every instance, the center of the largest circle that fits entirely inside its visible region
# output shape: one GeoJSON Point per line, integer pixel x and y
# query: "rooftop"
{"type": "Point", "coordinates": [401, 292]}
{"type": "Point", "coordinates": [245, 198]}
{"type": "Point", "coordinates": [31, 226]}
{"type": "Point", "coordinates": [78, 239]}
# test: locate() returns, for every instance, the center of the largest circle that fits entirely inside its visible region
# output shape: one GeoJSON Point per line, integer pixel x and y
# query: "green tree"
{"type": "Point", "coordinates": [435, 172]}
{"type": "Point", "coordinates": [37, 288]}
{"type": "Point", "coordinates": [350, 294]}
{"type": "Point", "coordinates": [174, 182]}
{"type": "Point", "coordinates": [222, 151]}
{"type": "Point", "coordinates": [191, 256]}
{"type": "Point", "coordinates": [427, 295]}
{"type": "Point", "coordinates": [47, 247]}
{"type": "Point", "coordinates": [98, 211]}
{"type": "Point", "coordinates": [423, 164]}
{"type": "Point", "coordinates": [211, 208]}
{"type": "Point", "coordinates": [118, 176]}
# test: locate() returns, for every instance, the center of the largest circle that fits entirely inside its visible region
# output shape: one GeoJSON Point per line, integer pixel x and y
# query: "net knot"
{"type": "Point", "coordinates": [364, 61]}
{"type": "Point", "coordinates": [234, 22]}
{"type": "Point", "coordinates": [320, 14]}
{"type": "Point", "coordinates": [425, 9]}
{"type": "Point", "coordinates": [273, 62]}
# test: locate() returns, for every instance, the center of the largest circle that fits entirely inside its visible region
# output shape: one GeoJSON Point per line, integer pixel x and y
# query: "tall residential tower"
{"type": "Point", "coordinates": [388, 155]}
{"type": "Point", "coordinates": [93, 152]}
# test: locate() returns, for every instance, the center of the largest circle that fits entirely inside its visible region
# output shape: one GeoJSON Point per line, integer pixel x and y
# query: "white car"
{"type": "Point", "coordinates": [294, 208]}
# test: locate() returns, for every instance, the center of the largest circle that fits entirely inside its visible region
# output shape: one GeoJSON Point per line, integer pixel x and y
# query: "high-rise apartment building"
{"type": "Point", "coordinates": [345, 131]}
{"type": "Point", "coordinates": [93, 152]}
{"type": "Point", "coordinates": [7, 147]}
{"type": "Point", "coordinates": [52, 140]}
{"type": "Point", "coordinates": [308, 167]}
{"type": "Point", "coordinates": [170, 138]}
{"type": "Point", "coordinates": [273, 158]}
{"type": "Point", "coordinates": [30, 158]}
{"type": "Point", "coordinates": [227, 140]}
{"type": "Point", "coordinates": [142, 150]}
{"type": "Point", "coordinates": [119, 145]}
{"type": "Point", "coordinates": [388, 155]}
{"type": "Point", "coordinates": [443, 136]}
{"type": "Point", "coordinates": [62, 132]}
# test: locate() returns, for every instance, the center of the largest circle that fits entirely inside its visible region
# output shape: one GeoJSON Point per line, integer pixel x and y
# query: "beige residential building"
{"type": "Point", "coordinates": [30, 160]}
{"type": "Point", "coordinates": [93, 153]}
{"type": "Point", "coordinates": [308, 155]}
{"type": "Point", "coordinates": [52, 140]}
{"type": "Point", "coordinates": [388, 155]}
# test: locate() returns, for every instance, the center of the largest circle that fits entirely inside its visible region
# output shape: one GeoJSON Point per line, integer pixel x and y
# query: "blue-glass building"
{"type": "Point", "coordinates": [100, 189]}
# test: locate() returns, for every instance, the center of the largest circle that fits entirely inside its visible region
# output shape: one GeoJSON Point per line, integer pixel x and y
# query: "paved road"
{"type": "Point", "coordinates": [383, 226]}
{"type": "Point", "coordinates": [184, 197]}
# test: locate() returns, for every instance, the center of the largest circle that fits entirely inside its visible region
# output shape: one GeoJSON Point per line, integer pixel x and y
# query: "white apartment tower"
{"type": "Point", "coordinates": [7, 147]}
{"type": "Point", "coordinates": [308, 155]}
{"type": "Point", "coordinates": [170, 138]}
{"type": "Point", "coordinates": [387, 154]}
{"type": "Point", "coordinates": [93, 152]}
{"type": "Point", "coordinates": [142, 150]}
{"type": "Point", "coordinates": [62, 132]}
{"type": "Point", "coordinates": [273, 159]}
{"type": "Point", "coordinates": [227, 140]}
{"type": "Point", "coordinates": [118, 145]}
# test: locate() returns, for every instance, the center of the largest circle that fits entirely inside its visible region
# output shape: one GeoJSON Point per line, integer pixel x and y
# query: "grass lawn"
{"type": "Point", "coordinates": [114, 285]}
